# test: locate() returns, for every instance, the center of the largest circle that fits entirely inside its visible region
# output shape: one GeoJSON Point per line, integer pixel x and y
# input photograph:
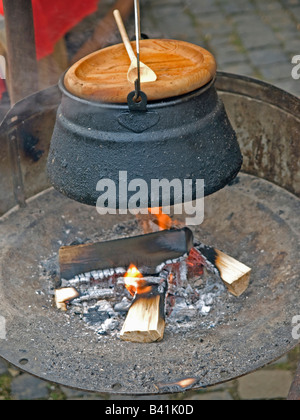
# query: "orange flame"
{"type": "Point", "coordinates": [163, 221]}
{"type": "Point", "coordinates": [134, 282]}
{"type": "Point", "coordinates": [133, 272]}
{"type": "Point", "coordinates": [156, 221]}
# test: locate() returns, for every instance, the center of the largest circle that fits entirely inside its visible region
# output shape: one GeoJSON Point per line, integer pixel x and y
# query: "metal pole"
{"type": "Point", "coordinates": [17, 175]}
{"type": "Point", "coordinates": [21, 52]}
{"type": "Point", "coordinates": [137, 38]}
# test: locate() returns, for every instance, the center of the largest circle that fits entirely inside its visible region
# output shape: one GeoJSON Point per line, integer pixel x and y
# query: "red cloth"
{"type": "Point", "coordinates": [2, 87]}
{"type": "Point", "coordinates": [54, 18]}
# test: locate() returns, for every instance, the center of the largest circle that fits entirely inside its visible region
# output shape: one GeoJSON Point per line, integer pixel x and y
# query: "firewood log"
{"type": "Point", "coordinates": [145, 321]}
{"type": "Point", "coordinates": [234, 274]}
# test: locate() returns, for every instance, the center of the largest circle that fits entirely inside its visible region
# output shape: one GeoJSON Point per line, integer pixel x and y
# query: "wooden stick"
{"type": "Point", "coordinates": [234, 274]}
{"type": "Point", "coordinates": [145, 322]}
{"type": "Point", "coordinates": [21, 52]}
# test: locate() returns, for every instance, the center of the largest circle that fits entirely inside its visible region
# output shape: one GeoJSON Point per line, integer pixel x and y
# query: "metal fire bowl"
{"type": "Point", "coordinates": [252, 220]}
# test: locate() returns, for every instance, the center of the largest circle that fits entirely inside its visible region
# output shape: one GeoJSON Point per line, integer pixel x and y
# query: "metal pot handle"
{"type": "Point", "coordinates": [135, 104]}
{"type": "Point", "coordinates": [138, 119]}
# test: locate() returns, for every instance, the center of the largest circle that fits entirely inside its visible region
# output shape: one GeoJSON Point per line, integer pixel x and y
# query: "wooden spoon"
{"type": "Point", "coordinates": [147, 75]}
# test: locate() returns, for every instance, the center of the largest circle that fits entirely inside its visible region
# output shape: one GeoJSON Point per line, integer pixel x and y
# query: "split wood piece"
{"type": "Point", "coordinates": [234, 274]}
{"type": "Point", "coordinates": [181, 67]}
{"type": "Point", "coordinates": [147, 251]}
{"type": "Point", "coordinates": [21, 51]}
{"type": "Point", "coordinates": [145, 321]}
{"type": "Point", "coordinates": [64, 295]}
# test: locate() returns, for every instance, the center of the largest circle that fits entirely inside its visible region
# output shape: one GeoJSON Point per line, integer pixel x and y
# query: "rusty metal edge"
{"type": "Point", "coordinates": [258, 90]}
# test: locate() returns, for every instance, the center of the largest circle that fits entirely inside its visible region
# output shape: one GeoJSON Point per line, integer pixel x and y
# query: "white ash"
{"type": "Point", "coordinates": [103, 305]}
{"type": "Point", "coordinates": [102, 318]}
{"type": "Point", "coordinates": [90, 277]}
{"type": "Point", "coordinates": [123, 306]}
{"type": "Point", "coordinates": [94, 294]}
{"type": "Point", "coordinates": [188, 313]}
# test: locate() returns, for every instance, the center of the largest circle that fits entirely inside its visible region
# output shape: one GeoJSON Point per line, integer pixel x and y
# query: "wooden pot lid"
{"type": "Point", "coordinates": [181, 68]}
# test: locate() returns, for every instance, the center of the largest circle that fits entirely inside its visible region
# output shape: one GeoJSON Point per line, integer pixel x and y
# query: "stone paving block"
{"type": "Point", "coordinates": [74, 393]}
{"type": "Point", "coordinates": [161, 3]}
{"type": "Point", "coordinates": [204, 6]}
{"type": "Point", "coordinates": [216, 42]}
{"type": "Point", "coordinates": [231, 60]}
{"type": "Point", "coordinates": [292, 46]}
{"type": "Point", "coordinates": [228, 55]}
{"type": "Point", "coordinates": [266, 56]}
{"type": "Point", "coordinates": [3, 367]}
{"type": "Point", "coordinates": [285, 35]}
{"type": "Point", "coordinates": [295, 11]}
{"type": "Point", "coordinates": [258, 38]}
{"type": "Point", "coordinates": [173, 23]}
{"type": "Point", "coordinates": [250, 24]}
{"type": "Point", "coordinates": [278, 19]}
{"type": "Point", "coordinates": [237, 7]}
{"type": "Point", "coordinates": [215, 25]}
{"type": "Point", "coordinates": [27, 387]}
{"type": "Point", "coordinates": [257, 27]}
{"type": "Point", "coordinates": [243, 69]}
{"type": "Point", "coordinates": [268, 5]}
{"type": "Point", "coordinates": [276, 71]}
{"type": "Point", "coordinates": [246, 20]}
{"type": "Point", "coordinates": [273, 384]}
{"type": "Point", "coordinates": [211, 396]}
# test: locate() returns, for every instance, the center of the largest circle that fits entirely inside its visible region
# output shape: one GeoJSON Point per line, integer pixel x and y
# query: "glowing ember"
{"type": "Point", "coordinates": [182, 384]}
{"type": "Point", "coordinates": [185, 383]}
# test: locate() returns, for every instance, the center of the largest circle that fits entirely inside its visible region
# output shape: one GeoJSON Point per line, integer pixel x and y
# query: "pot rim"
{"type": "Point", "coordinates": [150, 105]}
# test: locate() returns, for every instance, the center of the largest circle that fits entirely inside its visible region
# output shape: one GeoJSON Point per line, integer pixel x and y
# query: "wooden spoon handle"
{"type": "Point", "coordinates": [124, 36]}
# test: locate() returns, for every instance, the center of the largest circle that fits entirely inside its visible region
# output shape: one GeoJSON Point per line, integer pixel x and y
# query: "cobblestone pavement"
{"type": "Point", "coordinates": [256, 38]}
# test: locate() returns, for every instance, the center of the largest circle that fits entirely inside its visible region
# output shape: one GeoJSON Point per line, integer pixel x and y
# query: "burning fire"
{"type": "Point", "coordinates": [156, 220]}
{"type": "Point", "coordinates": [134, 282]}
{"type": "Point", "coordinates": [163, 221]}
{"type": "Point", "coordinates": [133, 272]}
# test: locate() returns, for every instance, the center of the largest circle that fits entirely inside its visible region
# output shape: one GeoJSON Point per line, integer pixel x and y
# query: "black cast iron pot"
{"type": "Point", "coordinates": [187, 137]}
